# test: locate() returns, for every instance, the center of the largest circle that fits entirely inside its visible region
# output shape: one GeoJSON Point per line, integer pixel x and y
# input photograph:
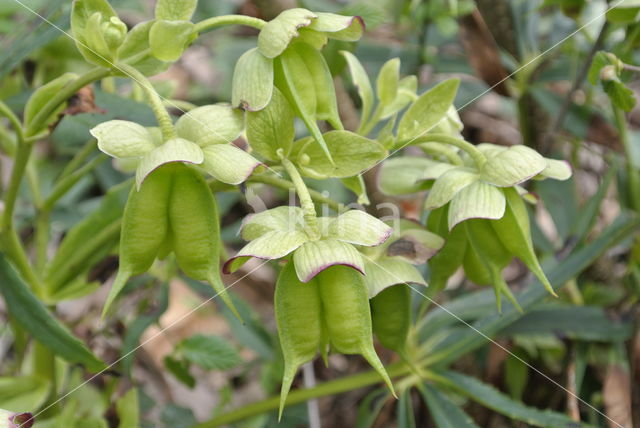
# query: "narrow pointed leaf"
{"type": "Point", "coordinates": [361, 81]}
{"type": "Point", "coordinates": [445, 413]}
{"type": "Point", "coordinates": [388, 80]}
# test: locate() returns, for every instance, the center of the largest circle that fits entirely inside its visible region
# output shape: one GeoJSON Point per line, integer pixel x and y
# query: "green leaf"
{"type": "Point", "coordinates": [86, 19]}
{"type": "Point", "coordinates": [625, 12]}
{"type": "Point", "coordinates": [272, 128]}
{"type": "Point", "coordinates": [284, 219]}
{"type": "Point", "coordinates": [352, 154]}
{"type": "Point", "coordinates": [388, 80]}
{"type": "Point", "coordinates": [477, 200]}
{"type": "Point", "coordinates": [406, 419]}
{"type": "Point", "coordinates": [136, 46]}
{"type": "Point", "coordinates": [228, 163]}
{"type": "Point", "coordinates": [575, 322]}
{"type": "Point", "coordinates": [278, 33]}
{"type": "Point", "coordinates": [556, 169]}
{"type": "Point", "coordinates": [128, 409]}
{"type": "Point", "coordinates": [357, 185]}
{"type": "Point", "coordinates": [427, 111]}
{"type": "Point", "coordinates": [211, 124]}
{"type": "Point", "coordinates": [23, 394]}
{"type": "Point", "coordinates": [448, 185]}
{"type": "Point", "coordinates": [358, 228]}
{"type": "Point", "coordinates": [175, 150]}
{"type": "Point", "coordinates": [600, 60]}
{"type": "Point", "coordinates": [123, 139]}
{"type": "Point", "coordinates": [361, 82]}
{"type": "Point", "coordinates": [180, 369]}
{"type": "Point", "coordinates": [315, 256]}
{"type": "Point", "coordinates": [490, 397]}
{"type": "Point", "coordinates": [272, 245]}
{"type": "Point", "coordinates": [513, 166]}
{"type": "Point", "coordinates": [209, 352]}
{"type": "Point", "coordinates": [401, 175]}
{"type": "Point", "coordinates": [31, 314]}
{"type": "Point", "coordinates": [168, 39]}
{"type": "Point", "coordinates": [40, 98]}
{"type": "Point", "coordinates": [326, 103]}
{"type": "Point", "coordinates": [621, 96]}
{"type": "Point", "coordinates": [252, 81]}
{"type": "Point", "coordinates": [386, 272]}
{"type": "Point", "coordinates": [175, 10]}
{"type": "Point", "coordinates": [339, 27]}
{"type": "Point", "coordinates": [445, 413]}
{"type": "Point", "coordinates": [407, 87]}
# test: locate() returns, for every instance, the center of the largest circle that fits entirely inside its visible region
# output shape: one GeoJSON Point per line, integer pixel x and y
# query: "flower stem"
{"type": "Point", "coordinates": [274, 181]}
{"type": "Point", "coordinates": [156, 103]}
{"type": "Point", "coordinates": [632, 173]}
{"type": "Point", "coordinates": [478, 158]}
{"type": "Point", "coordinates": [310, 216]}
{"type": "Point", "coordinates": [221, 21]}
{"type": "Point", "coordinates": [301, 395]}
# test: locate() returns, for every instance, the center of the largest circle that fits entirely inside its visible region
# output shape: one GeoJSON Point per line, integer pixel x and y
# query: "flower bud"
{"type": "Point", "coordinates": [114, 32]}
{"type": "Point", "coordinates": [608, 73]}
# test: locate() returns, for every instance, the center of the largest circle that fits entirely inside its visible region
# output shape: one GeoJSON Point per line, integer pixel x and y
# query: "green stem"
{"type": "Point", "coordinates": [65, 93]}
{"type": "Point", "coordinates": [632, 173]}
{"type": "Point", "coordinates": [23, 153]}
{"type": "Point", "coordinates": [44, 366]}
{"type": "Point", "coordinates": [43, 228]}
{"type": "Point", "coordinates": [13, 119]}
{"type": "Point", "coordinates": [301, 395]}
{"type": "Point", "coordinates": [66, 183]}
{"type": "Point", "coordinates": [365, 128]}
{"type": "Point", "coordinates": [78, 158]}
{"type": "Point", "coordinates": [221, 21]}
{"type": "Point", "coordinates": [156, 103]}
{"type": "Point", "coordinates": [309, 210]}
{"type": "Point", "coordinates": [478, 158]}
{"type": "Point", "coordinates": [288, 185]}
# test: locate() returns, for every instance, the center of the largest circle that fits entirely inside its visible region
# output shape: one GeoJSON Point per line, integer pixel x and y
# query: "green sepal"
{"type": "Point", "coordinates": [278, 33]}
{"type": "Point", "coordinates": [169, 39]}
{"type": "Point", "coordinates": [211, 124]}
{"type": "Point", "coordinates": [252, 81]}
{"type": "Point", "coordinates": [136, 52]}
{"type": "Point", "coordinates": [391, 317]}
{"type": "Point", "coordinates": [450, 257]}
{"type": "Point", "coordinates": [175, 10]}
{"type": "Point", "coordinates": [41, 96]}
{"type": "Point", "coordinates": [272, 128]}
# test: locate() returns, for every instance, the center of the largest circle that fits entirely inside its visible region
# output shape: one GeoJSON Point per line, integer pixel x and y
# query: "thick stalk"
{"type": "Point", "coordinates": [478, 158]}
{"type": "Point", "coordinates": [225, 20]}
{"type": "Point", "coordinates": [301, 395]}
{"type": "Point", "coordinates": [309, 210]}
{"type": "Point", "coordinates": [156, 103]}
{"type": "Point", "coordinates": [288, 185]}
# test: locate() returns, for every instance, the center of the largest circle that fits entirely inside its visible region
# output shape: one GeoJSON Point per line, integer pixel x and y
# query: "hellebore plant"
{"type": "Point", "coordinates": [346, 276]}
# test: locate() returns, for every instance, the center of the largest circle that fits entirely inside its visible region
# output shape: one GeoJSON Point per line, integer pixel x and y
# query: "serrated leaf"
{"type": "Point", "coordinates": [352, 154]}
{"type": "Point", "coordinates": [175, 10]}
{"type": "Point", "coordinates": [175, 150]}
{"type": "Point", "coordinates": [228, 163]}
{"type": "Point", "coordinates": [427, 111]}
{"type": "Point", "coordinates": [445, 413]}
{"type": "Point", "coordinates": [600, 60]}
{"type": "Point", "coordinates": [30, 314]}
{"type": "Point", "coordinates": [278, 33]}
{"type": "Point", "coordinates": [315, 256]}
{"type": "Point", "coordinates": [211, 124]}
{"type": "Point", "coordinates": [252, 81]}
{"type": "Point", "coordinates": [209, 352]}
{"type": "Point", "coordinates": [40, 98]}
{"type": "Point", "coordinates": [272, 128]}
{"type": "Point", "coordinates": [168, 39]}
{"type": "Point", "coordinates": [448, 185]}
{"type": "Point", "coordinates": [621, 96]}
{"type": "Point", "coordinates": [478, 200]}
{"type": "Point", "coordinates": [490, 397]}
{"type": "Point", "coordinates": [180, 369]}
{"type": "Point", "coordinates": [361, 81]}
{"type": "Point", "coordinates": [513, 166]}
{"type": "Point", "coordinates": [359, 228]}
{"type": "Point", "coordinates": [123, 139]}
{"type": "Point", "coordinates": [387, 82]}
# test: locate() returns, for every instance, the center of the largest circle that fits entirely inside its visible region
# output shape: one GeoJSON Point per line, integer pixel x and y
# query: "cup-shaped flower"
{"type": "Point", "coordinates": [278, 232]}
{"type": "Point", "coordinates": [394, 261]}
{"type": "Point", "coordinates": [475, 191]}
{"type": "Point", "coordinates": [203, 137]}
